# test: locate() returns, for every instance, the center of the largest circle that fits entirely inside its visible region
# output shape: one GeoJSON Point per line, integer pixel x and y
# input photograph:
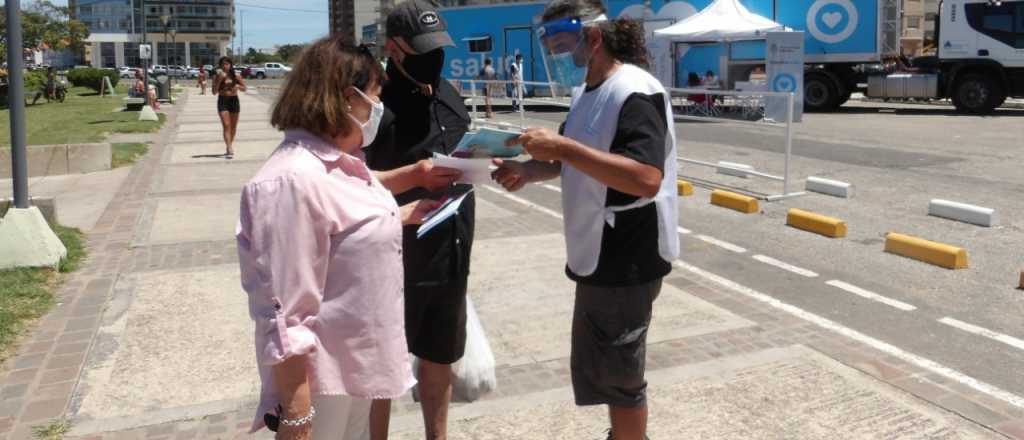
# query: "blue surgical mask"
{"type": "Point", "coordinates": [564, 70]}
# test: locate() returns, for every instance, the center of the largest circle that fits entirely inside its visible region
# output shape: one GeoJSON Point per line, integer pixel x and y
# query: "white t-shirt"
{"type": "Point", "coordinates": [517, 71]}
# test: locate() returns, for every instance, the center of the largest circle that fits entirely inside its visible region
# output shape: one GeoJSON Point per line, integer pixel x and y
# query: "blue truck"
{"type": "Point", "coordinates": [849, 44]}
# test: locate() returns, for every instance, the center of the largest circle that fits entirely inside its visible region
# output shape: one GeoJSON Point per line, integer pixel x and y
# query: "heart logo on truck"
{"type": "Point", "coordinates": [831, 32]}
{"type": "Point", "coordinates": [832, 19]}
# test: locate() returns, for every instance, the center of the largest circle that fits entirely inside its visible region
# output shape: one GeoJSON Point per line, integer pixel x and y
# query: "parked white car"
{"type": "Point", "coordinates": [270, 70]}
{"type": "Point", "coordinates": [127, 72]}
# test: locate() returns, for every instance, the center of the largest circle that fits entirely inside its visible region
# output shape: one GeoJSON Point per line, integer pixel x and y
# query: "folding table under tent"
{"type": "Point", "coordinates": [724, 21]}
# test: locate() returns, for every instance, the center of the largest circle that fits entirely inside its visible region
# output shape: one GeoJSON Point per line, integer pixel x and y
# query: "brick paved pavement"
{"type": "Point", "coordinates": [44, 381]}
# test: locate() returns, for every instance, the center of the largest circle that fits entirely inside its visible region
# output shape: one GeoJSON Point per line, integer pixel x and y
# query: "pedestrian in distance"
{"type": "Point", "coordinates": [320, 250]}
{"type": "Point", "coordinates": [488, 74]}
{"type": "Point", "coordinates": [616, 157]}
{"type": "Point", "coordinates": [226, 86]}
{"type": "Point", "coordinates": [52, 89]}
{"type": "Point", "coordinates": [138, 87]}
{"type": "Point", "coordinates": [428, 117]}
{"type": "Point", "coordinates": [201, 80]}
{"type": "Point", "coordinates": [516, 72]}
{"type": "Point", "coordinates": [711, 80]}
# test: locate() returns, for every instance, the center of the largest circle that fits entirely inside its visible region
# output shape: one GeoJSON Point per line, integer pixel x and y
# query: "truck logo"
{"type": "Point", "coordinates": [784, 83]}
{"type": "Point", "coordinates": [831, 13]}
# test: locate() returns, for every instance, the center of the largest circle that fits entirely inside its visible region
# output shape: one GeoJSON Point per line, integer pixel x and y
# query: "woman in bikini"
{"type": "Point", "coordinates": [226, 86]}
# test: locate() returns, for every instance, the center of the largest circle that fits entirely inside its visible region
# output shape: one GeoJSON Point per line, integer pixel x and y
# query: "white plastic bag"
{"type": "Point", "coordinates": [472, 376]}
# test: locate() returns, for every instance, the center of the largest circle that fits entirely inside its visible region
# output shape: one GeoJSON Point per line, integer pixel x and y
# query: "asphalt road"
{"type": "Point", "coordinates": [898, 157]}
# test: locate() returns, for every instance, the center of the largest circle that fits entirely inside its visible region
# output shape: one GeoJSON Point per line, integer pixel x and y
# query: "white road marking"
{"type": "Point", "coordinates": [722, 244]}
{"type": "Point", "coordinates": [551, 187]}
{"type": "Point", "coordinates": [982, 331]}
{"type": "Point", "coordinates": [871, 295]}
{"type": "Point", "coordinates": [522, 201]}
{"type": "Point", "coordinates": [785, 266]}
{"type": "Point", "coordinates": [683, 230]}
{"type": "Point", "coordinates": [884, 347]}
{"type": "Point", "coordinates": [827, 324]}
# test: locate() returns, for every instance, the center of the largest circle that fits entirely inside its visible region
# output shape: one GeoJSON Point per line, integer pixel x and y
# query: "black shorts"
{"type": "Point", "coordinates": [609, 344]}
{"type": "Point", "coordinates": [435, 322]}
{"type": "Point", "coordinates": [228, 104]}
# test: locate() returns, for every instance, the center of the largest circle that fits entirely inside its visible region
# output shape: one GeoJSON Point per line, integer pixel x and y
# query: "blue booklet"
{"type": "Point", "coordinates": [488, 142]}
{"type": "Point", "coordinates": [449, 207]}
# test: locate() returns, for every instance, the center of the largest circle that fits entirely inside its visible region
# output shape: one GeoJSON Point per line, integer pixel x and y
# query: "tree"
{"type": "Point", "coordinates": [255, 57]}
{"type": "Point", "coordinates": [46, 24]}
{"type": "Point", "coordinates": [289, 52]}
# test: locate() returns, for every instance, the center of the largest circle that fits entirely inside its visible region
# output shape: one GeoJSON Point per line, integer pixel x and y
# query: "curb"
{"type": "Point", "coordinates": [962, 212]}
{"type": "Point", "coordinates": [734, 201]}
{"type": "Point", "coordinates": [830, 187]}
{"type": "Point", "coordinates": [684, 188]}
{"type": "Point", "coordinates": [819, 224]}
{"type": "Point", "coordinates": [733, 169]}
{"type": "Point", "coordinates": [939, 254]}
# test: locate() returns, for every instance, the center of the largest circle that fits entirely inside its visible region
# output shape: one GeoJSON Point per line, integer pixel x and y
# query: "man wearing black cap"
{"type": "Point", "coordinates": [427, 115]}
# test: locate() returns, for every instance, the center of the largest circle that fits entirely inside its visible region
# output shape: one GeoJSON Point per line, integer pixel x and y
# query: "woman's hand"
{"type": "Point", "coordinates": [413, 213]}
{"type": "Point", "coordinates": [296, 401]}
{"type": "Point", "coordinates": [510, 174]}
{"type": "Point", "coordinates": [435, 178]}
{"type": "Point", "coordinates": [542, 144]}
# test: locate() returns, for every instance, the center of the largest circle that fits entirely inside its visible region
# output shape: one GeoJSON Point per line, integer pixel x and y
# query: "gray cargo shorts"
{"type": "Point", "coordinates": [609, 344]}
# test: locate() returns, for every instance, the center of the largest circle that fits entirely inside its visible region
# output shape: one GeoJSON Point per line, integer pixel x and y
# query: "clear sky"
{"type": "Point", "coordinates": [265, 28]}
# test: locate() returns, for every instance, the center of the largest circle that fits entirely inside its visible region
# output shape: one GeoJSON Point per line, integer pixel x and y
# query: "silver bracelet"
{"type": "Point", "coordinates": [302, 421]}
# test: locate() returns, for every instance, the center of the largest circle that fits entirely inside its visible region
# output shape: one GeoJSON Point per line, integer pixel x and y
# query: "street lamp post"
{"type": "Point", "coordinates": [146, 62]}
{"type": "Point", "coordinates": [16, 102]}
{"type": "Point", "coordinates": [170, 79]}
{"type": "Point", "coordinates": [165, 19]}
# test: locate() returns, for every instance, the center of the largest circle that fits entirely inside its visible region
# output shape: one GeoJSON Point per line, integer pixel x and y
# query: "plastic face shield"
{"type": "Point", "coordinates": [563, 47]}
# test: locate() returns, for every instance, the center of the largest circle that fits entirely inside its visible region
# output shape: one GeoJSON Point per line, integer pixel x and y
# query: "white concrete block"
{"type": "Point", "coordinates": [148, 114]}
{"type": "Point", "coordinates": [963, 212]}
{"type": "Point", "coordinates": [830, 187]}
{"type": "Point", "coordinates": [27, 241]}
{"type": "Point", "coordinates": [734, 169]}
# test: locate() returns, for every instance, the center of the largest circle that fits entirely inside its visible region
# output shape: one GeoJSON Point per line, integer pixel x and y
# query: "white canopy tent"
{"type": "Point", "coordinates": [722, 21]}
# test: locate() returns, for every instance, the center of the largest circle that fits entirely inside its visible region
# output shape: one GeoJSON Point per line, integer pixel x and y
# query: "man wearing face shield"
{"type": "Point", "coordinates": [427, 115]}
{"type": "Point", "coordinates": [616, 156]}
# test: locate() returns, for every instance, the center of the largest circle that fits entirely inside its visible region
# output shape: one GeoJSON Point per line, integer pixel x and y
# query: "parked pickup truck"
{"type": "Point", "coordinates": [270, 70]}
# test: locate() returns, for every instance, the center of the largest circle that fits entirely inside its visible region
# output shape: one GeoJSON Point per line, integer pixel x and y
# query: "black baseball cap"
{"type": "Point", "coordinates": [419, 24]}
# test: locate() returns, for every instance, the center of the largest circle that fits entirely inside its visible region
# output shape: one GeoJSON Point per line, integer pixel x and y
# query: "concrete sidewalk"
{"type": "Point", "coordinates": [153, 340]}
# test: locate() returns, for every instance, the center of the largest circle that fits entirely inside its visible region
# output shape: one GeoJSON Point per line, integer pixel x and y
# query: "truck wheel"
{"type": "Point", "coordinates": [844, 97]}
{"type": "Point", "coordinates": [820, 93]}
{"type": "Point", "coordinates": [260, 75]}
{"type": "Point", "coordinates": [977, 94]}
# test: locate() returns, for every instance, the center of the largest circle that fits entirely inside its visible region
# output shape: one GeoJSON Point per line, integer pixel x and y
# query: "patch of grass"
{"type": "Point", "coordinates": [53, 431]}
{"type": "Point", "coordinates": [127, 153]}
{"type": "Point", "coordinates": [72, 239]}
{"type": "Point", "coordinates": [27, 293]}
{"type": "Point", "coordinates": [83, 117]}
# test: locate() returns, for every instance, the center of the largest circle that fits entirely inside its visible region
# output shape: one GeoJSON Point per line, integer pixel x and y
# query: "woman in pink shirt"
{"type": "Point", "coordinates": [320, 251]}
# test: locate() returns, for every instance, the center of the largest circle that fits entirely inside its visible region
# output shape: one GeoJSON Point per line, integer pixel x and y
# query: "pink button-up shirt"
{"type": "Point", "coordinates": [320, 251]}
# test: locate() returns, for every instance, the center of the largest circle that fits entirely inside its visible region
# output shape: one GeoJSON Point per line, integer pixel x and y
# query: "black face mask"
{"type": "Point", "coordinates": [425, 68]}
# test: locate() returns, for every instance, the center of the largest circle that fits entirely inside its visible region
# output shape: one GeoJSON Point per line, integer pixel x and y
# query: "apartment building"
{"type": "Point", "coordinates": [350, 17]}
{"type": "Point", "coordinates": [182, 32]}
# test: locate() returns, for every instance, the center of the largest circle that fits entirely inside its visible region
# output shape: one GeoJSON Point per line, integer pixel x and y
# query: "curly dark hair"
{"type": "Point", "coordinates": [623, 37]}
